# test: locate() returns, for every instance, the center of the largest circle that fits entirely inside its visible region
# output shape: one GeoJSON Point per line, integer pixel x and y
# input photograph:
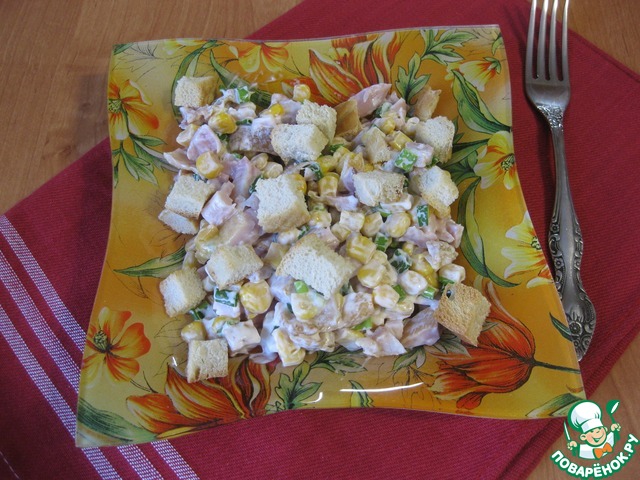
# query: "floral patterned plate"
{"type": "Point", "coordinates": [131, 388]}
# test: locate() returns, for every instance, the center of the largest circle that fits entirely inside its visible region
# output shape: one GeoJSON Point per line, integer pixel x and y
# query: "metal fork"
{"type": "Point", "coordinates": [549, 90]}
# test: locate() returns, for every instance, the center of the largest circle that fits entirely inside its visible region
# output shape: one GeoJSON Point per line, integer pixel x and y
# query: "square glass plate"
{"type": "Point", "coordinates": [524, 365]}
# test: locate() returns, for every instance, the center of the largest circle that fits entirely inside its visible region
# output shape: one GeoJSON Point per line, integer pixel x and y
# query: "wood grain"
{"type": "Point", "coordinates": [55, 58]}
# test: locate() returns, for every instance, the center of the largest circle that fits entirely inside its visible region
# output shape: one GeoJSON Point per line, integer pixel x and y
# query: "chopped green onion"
{"type": "Point", "coordinates": [290, 308]}
{"type": "Point", "coordinates": [366, 324]}
{"type": "Point", "coordinates": [303, 231]}
{"type": "Point", "coordinates": [381, 210]}
{"type": "Point", "coordinates": [406, 160]}
{"type": "Point", "coordinates": [198, 312]}
{"type": "Point", "coordinates": [261, 98]}
{"type": "Point", "coordinates": [300, 286]}
{"type": "Point", "coordinates": [429, 292]}
{"type": "Point", "coordinates": [252, 187]}
{"type": "Point", "coordinates": [199, 178]}
{"type": "Point", "coordinates": [226, 297]}
{"type": "Point", "coordinates": [382, 109]}
{"type": "Point", "coordinates": [332, 148]}
{"type": "Point", "coordinates": [400, 260]}
{"type": "Point", "coordinates": [243, 94]}
{"type": "Point", "coordinates": [237, 155]}
{"type": "Point", "coordinates": [400, 291]}
{"type": "Point", "coordinates": [434, 161]}
{"type": "Point", "coordinates": [317, 171]}
{"type": "Point", "coordinates": [422, 212]}
{"type": "Point", "coordinates": [223, 136]}
{"type": "Point", "coordinates": [444, 281]}
{"type": "Point", "coordinates": [382, 242]}
{"type": "Point", "coordinates": [246, 121]}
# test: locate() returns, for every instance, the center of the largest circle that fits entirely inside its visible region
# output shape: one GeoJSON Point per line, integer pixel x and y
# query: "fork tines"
{"type": "Point", "coordinates": [541, 71]}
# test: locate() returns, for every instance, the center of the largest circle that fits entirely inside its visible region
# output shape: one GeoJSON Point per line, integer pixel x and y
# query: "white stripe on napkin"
{"type": "Point", "coordinates": [169, 454]}
{"type": "Point", "coordinates": [51, 393]}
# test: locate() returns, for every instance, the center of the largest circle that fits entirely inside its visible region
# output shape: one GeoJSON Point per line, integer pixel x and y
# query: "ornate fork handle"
{"type": "Point", "coordinates": [565, 244]}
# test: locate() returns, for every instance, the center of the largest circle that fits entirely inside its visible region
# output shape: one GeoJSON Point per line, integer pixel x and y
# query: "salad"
{"type": "Point", "coordinates": [310, 227]}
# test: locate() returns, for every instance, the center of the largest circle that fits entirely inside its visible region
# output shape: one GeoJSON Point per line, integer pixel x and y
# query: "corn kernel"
{"type": "Point", "coordinates": [301, 183]}
{"type": "Point", "coordinates": [205, 243]}
{"type": "Point", "coordinates": [367, 167]}
{"type": "Point", "coordinates": [185, 136]}
{"type": "Point", "coordinates": [301, 92]}
{"type": "Point", "coordinates": [412, 282]}
{"type": "Point", "coordinates": [410, 125]}
{"type": "Point", "coordinates": [399, 140]}
{"type": "Point", "coordinates": [208, 165]}
{"type": "Point", "coordinates": [424, 268]}
{"type": "Point", "coordinates": [397, 224]}
{"type": "Point", "coordinates": [352, 220]}
{"type": "Point", "coordinates": [380, 257]}
{"type": "Point", "coordinates": [453, 273]}
{"type": "Point", "coordinates": [361, 248]}
{"type": "Point", "coordinates": [320, 218]}
{"type": "Point", "coordinates": [385, 296]}
{"type": "Point", "coordinates": [190, 260]}
{"type": "Point", "coordinates": [371, 274]}
{"type": "Point", "coordinates": [408, 248]}
{"type": "Point", "coordinates": [386, 124]}
{"type": "Point", "coordinates": [260, 161]}
{"type": "Point", "coordinates": [405, 306]}
{"type": "Point", "coordinates": [274, 255]}
{"type": "Point", "coordinates": [340, 231]}
{"type": "Point", "coordinates": [328, 163]}
{"type": "Point", "coordinates": [276, 109]}
{"type": "Point", "coordinates": [346, 157]}
{"type": "Point", "coordinates": [272, 170]}
{"type": "Point", "coordinates": [328, 185]}
{"type": "Point", "coordinates": [193, 331]}
{"type": "Point", "coordinates": [222, 123]}
{"type": "Point", "coordinates": [307, 305]}
{"type": "Point", "coordinates": [372, 224]}
{"type": "Point", "coordinates": [256, 297]}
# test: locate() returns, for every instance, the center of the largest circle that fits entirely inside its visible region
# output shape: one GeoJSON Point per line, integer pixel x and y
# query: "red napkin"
{"type": "Point", "coordinates": [52, 246]}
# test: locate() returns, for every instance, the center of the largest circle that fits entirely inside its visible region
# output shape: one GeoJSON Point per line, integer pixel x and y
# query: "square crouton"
{"type": "Point", "coordinates": [313, 261]}
{"type": "Point", "coordinates": [281, 204]}
{"type": "Point", "coordinates": [178, 223]}
{"type": "Point", "coordinates": [437, 132]}
{"type": "Point", "coordinates": [436, 188]}
{"type": "Point", "coordinates": [230, 264]}
{"type": "Point", "coordinates": [462, 310]}
{"type": "Point", "coordinates": [377, 187]}
{"type": "Point", "coordinates": [303, 143]}
{"type": "Point", "coordinates": [322, 116]}
{"type": "Point", "coordinates": [182, 290]}
{"type": "Point", "coordinates": [188, 196]}
{"type": "Point", "coordinates": [375, 146]}
{"type": "Point", "coordinates": [194, 91]}
{"type": "Point", "coordinates": [207, 359]}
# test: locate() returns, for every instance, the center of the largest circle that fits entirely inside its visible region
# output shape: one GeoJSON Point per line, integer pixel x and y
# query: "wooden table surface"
{"type": "Point", "coordinates": [52, 109]}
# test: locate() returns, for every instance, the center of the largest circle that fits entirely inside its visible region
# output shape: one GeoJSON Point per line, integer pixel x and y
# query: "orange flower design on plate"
{"type": "Point", "coordinates": [479, 72]}
{"type": "Point", "coordinates": [526, 255]}
{"type": "Point", "coordinates": [501, 363]}
{"type": "Point", "coordinates": [356, 63]}
{"type": "Point", "coordinates": [244, 393]}
{"type": "Point", "coordinates": [129, 110]}
{"type": "Point", "coordinates": [496, 161]}
{"type": "Point", "coordinates": [112, 350]}
{"type": "Point", "coordinates": [271, 55]}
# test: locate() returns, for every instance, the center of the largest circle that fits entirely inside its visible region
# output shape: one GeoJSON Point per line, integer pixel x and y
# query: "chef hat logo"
{"type": "Point", "coordinates": [585, 416]}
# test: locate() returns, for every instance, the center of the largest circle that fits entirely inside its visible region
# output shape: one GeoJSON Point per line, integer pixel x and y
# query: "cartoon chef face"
{"type": "Point", "coordinates": [595, 437]}
{"type": "Point", "coordinates": [586, 418]}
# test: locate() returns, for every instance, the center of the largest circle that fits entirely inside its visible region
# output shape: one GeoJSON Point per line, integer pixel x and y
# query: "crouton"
{"type": "Point", "coordinates": [348, 123]}
{"type": "Point", "coordinates": [303, 143]}
{"type": "Point", "coordinates": [230, 264]}
{"type": "Point", "coordinates": [322, 116]}
{"type": "Point", "coordinates": [194, 91]}
{"type": "Point", "coordinates": [178, 223]}
{"type": "Point", "coordinates": [437, 132]}
{"type": "Point", "coordinates": [436, 188]}
{"type": "Point", "coordinates": [207, 359]}
{"type": "Point", "coordinates": [426, 103]}
{"type": "Point", "coordinates": [462, 310]}
{"type": "Point", "coordinates": [377, 187]}
{"type": "Point", "coordinates": [188, 196]}
{"type": "Point", "coordinates": [182, 290]}
{"type": "Point", "coordinates": [281, 204]}
{"type": "Point", "coordinates": [375, 146]}
{"type": "Point", "coordinates": [311, 260]}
